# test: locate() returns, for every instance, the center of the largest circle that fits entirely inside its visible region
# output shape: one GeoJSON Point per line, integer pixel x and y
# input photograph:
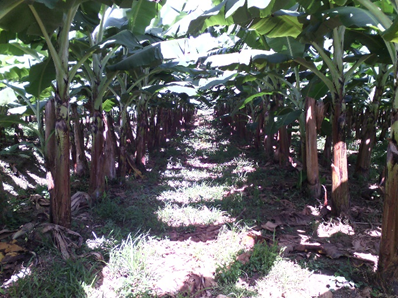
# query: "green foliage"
{"type": "Point", "coordinates": [228, 274]}
{"type": "Point", "coordinates": [56, 279]}
{"type": "Point", "coordinates": [261, 260]}
{"type": "Point", "coordinates": [129, 263]}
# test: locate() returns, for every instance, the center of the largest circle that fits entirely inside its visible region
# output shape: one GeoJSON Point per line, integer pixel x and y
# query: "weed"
{"type": "Point", "coordinates": [262, 259]}
{"type": "Point", "coordinates": [228, 244]}
{"type": "Point", "coordinates": [175, 215]}
{"type": "Point", "coordinates": [129, 264]}
{"type": "Point", "coordinates": [57, 279]}
{"type": "Point", "coordinates": [228, 274]}
{"type": "Point", "coordinates": [110, 209]}
{"type": "Point", "coordinates": [236, 291]}
{"type": "Point", "coordinates": [284, 278]}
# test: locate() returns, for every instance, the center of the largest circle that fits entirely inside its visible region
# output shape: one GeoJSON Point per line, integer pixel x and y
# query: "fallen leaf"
{"type": "Point", "coordinates": [270, 226]}
{"type": "Point", "coordinates": [293, 219]}
{"type": "Point", "coordinates": [366, 292]}
{"type": "Point", "coordinates": [79, 201]}
{"type": "Point", "coordinates": [244, 258]}
{"type": "Point", "coordinates": [25, 229]}
{"type": "Point", "coordinates": [248, 241]}
{"type": "Point", "coordinates": [10, 247]}
{"type": "Point", "coordinates": [359, 245]}
{"type": "Point", "coordinates": [328, 294]}
{"type": "Point", "coordinates": [6, 233]}
{"type": "Point", "coordinates": [332, 251]}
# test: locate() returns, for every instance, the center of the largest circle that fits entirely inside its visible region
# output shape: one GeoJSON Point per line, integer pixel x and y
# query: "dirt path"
{"type": "Point", "coordinates": [220, 201]}
{"type": "Point", "coordinates": [205, 222]}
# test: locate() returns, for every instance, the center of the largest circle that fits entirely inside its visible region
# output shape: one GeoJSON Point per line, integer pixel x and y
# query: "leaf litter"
{"type": "Point", "coordinates": [187, 256]}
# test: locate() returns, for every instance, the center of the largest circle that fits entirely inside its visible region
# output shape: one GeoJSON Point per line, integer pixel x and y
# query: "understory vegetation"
{"type": "Point", "coordinates": [213, 148]}
{"type": "Point", "coordinates": [212, 217]}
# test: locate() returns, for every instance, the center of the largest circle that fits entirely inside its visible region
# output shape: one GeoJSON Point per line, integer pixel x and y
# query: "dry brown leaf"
{"type": "Point", "coordinates": [359, 245]}
{"type": "Point", "coordinates": [6, 233]}
{"type": "Point", "coordinates": [39, 201]}
{"type": "Point", "coordinates": [293, 219]}
{"type": "Point", "coordinates": [25, 229]}
{"type": "Point", "coordinates": [244, 258]}
{"type": "Point", "coordinates": [248, 241]}
{"type": "Point", "coordinates": [328, 294]}
{"type": "Point", "coordinates": [79, 201]}
{"type": "Point", "coordinates": [62, 237]}
{"type": "Point", "coordinates": [137, 172]}
{"type": "Point", "coordinates": [332, 251]}
{"type": "Point", "coordinates": [270, 226]}
{"type": "Point", "coordinates": [10, 247]}
{"type": "Point", "coordinates": [11, 252]}
{"type": "Point", "coordinates": [309, 247]}
{"type": "Point", "coordinates": [288, 204]}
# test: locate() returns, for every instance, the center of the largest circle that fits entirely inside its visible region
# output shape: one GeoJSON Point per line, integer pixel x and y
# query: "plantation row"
{"type": "Point", "coordinates": [269, 68]}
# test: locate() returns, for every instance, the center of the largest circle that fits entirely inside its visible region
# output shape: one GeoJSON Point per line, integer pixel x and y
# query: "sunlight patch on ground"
{"type": "Point", "coordinates": [285, 279]}
{"type": "Point", "coordinates": [177, 216]}
{"type": "Point", "coordinates": [202, 192]}
{"type": "Point", "coordinates": [187, 175]}
{"type": "Point", "coordinates": [288, 279]}
{"type": "Point", "coordinates": [328, 229]}
{"type": "Point", "coordinates": [24, 272]}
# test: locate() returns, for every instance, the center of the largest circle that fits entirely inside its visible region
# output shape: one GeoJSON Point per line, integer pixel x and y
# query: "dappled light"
{"type": "Point", "coordinates": [201, 222]}
{"type": "Point", "coordinates": [202, 149]}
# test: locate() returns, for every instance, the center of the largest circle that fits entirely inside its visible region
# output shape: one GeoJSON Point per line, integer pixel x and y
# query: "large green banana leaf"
{"type": "Point", "coordinates": [264, 16]}
{"type": "Point", "coordinates": [41, 75]}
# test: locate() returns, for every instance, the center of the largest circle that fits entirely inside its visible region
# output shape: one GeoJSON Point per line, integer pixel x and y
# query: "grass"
{"type": "Point", "coordinates": [285, 278]}
{"type": "Point", "coordinates": [200, 180]}
{"type": "Point", "coordinates": [129, 265]}
{"type": "Point", "coordinates": [176, 215]}
{"type": "Point", "coordinates": [262, 258]}
{"type": "Point", "coordinates": [56, 278]}
{"type": "Point", "coordinates": [193, 193]}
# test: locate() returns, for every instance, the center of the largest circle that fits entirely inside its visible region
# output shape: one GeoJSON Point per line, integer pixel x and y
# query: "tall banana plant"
{"type": "Point", "coordinates": [52, 20]}
{"type": "Point", "coordinates": [339, 74]}
{"type": "Point", "coordinates": [388, 256]}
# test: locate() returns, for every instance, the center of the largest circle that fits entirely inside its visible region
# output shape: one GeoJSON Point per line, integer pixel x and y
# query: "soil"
{"type": "Point", "coordinates": [341, 253]}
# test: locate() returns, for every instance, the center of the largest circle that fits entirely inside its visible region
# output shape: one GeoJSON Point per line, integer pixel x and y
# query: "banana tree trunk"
{"type": "Point", "coordinates": [60, 204]}
{"type": "Point", "coordinates": [259, 130]}
{"type": "Point", "coordinates": [3, 201]}
{"type": "Point", "coordinates": [109, 148]}
{"type": "Point", "coordinates": [80, 166]}
{"type": "Point", "coordinates": [141, 134]}
{"type": "Point", "coordinates": [158, 128]}
{"type": "Point", "coordinates": [340, 194]}
{"type": "Point", "coordinates": [162, 119]}
{"type": "Point", "coordinates": [311, 151]}
{"type": "Point", "coordinates": [388, 255]}
{"type": "Point", "coordinates": [122, 166]}
{"type": "Point", "coordinates": [283, 149]}
{"type": "Point", "coordinates": [50, 149]}
{"type": "Point", "coordinates": [349, 121]}
{"type": "Point", "coordinates": [97, 176]}
{"type": "Point", "coordinates": [384, 126]}
{"type": "Point", "coordinates": [152, 131]}
{"type": "Point", "coordinates": [365, 148]}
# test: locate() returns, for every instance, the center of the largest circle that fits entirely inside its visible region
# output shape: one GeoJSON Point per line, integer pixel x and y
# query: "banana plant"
{"type": "Point", "coordinates": [382, 76]}
{"type": "Point", "coordinates": [336, 21]}
{"type": "Point", "coordinates": [388, 256]}
{"type": "Point", "coordinates": [52, 20]}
